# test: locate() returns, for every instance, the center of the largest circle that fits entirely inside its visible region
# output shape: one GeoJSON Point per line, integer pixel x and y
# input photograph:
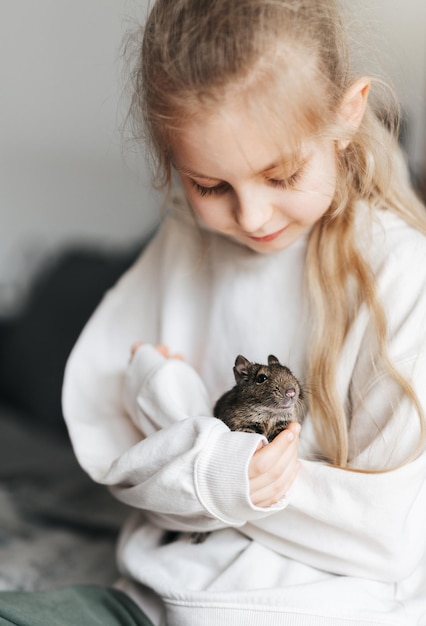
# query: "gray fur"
{"type": "Point", "coordinates": [265, 399]}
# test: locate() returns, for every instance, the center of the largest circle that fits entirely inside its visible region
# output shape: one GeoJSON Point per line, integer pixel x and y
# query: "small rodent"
{"type": "Point", "coordinates": [265, 399]}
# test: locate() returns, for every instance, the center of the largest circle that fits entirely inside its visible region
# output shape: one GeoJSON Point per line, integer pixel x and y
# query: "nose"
{"type": "Point", "coordinates": [290, 393]}
{"type": "Point", "coordinates": [252, 211]}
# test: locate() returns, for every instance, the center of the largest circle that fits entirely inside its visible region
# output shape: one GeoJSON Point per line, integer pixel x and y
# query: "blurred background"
{"type": "Point", "coordinates": [65, 176]}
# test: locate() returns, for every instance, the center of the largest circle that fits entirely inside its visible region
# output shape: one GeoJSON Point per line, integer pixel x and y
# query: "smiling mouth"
{"type": "Point", "coordinates": [270, 237]}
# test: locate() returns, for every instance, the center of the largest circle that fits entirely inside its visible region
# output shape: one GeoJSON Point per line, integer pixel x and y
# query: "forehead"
{"type": "Point", "coordinates": [280, 100]}
{"type": "Point", "coordinates": [235, 137]}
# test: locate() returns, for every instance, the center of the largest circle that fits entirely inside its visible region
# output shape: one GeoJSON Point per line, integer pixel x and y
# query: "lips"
{"type": "Point", "coordinates": [270, 237]}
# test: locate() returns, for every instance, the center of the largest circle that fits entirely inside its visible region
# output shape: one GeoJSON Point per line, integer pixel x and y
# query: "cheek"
{"type": "Point", "coordinates": [320, 194]}
{"type": "Point", "coordinates": [310, 204]}
{"type": "Point", "coordinates": [209, 210]}
{"type": "Point", "coordinates": [212, 210]}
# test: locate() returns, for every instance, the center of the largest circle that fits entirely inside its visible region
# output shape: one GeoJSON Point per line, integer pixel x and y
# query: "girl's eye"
{"type": "Point", "coordinates": [209, 191]}
{"type": "Point", "coordinates": [287, 183]}
{"type": "Point", "coordinates": [261, 378]}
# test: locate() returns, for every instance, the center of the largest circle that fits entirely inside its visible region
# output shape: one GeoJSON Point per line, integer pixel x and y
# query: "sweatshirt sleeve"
{"type": "Point", "coordinates": [362, 525]}
{"type": "Point", "coordinates": [190, 472]}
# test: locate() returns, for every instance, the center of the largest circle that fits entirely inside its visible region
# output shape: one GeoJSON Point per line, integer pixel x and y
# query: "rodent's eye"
{"type": "Point", "coordinates": [261, 378]}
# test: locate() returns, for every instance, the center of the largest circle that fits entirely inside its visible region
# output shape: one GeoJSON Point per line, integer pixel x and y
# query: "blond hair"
{"type": "Point", "coordinates": [196, 53]}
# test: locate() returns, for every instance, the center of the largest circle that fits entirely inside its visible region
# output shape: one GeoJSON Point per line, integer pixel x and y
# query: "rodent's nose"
{"type": "Point", "coordinates": [290, 392]}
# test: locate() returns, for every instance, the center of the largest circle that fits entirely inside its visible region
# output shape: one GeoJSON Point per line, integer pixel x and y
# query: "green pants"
{"type": "Point", "coordinates": [79, 605]}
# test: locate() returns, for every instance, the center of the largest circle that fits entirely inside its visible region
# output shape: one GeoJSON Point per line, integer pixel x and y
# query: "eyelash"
{"type": "Point", "coordinates": [223, 187]}
{"type": "Point", "coordinates": [209, 191]}
{"type": "Point", "coordinates": [288, 182]}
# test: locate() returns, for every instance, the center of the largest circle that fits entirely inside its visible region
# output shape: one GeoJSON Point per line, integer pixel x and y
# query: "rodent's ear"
{"type": "Point", "coordinates": [240, 369]}
{"type": "Point", "coordinates": [272, 360]}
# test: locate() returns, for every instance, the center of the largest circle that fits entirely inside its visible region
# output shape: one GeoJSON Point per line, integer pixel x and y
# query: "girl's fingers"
{"type": "Point", "coordinates": [272, 485]}
{"type": "Point", "coordinates": [274, 468]}
{"type": "Point", "coordinates": [135, 346]}
{"type": "Point", "coordinates": [162, 349]}
{"type": "Point", "coordinates": [273, 455]}
{"type": "Point", "coordinates": [270, 495]}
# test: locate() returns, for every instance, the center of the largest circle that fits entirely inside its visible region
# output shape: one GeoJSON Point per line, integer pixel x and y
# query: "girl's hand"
{"type": "Point", "coordinates": [160, 348]}
{"type": "Point", "coordinates": [274, 467]}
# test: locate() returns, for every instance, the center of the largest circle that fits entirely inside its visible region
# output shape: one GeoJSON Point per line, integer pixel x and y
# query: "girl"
{"type": "Point", "coordinates": [295, 233]}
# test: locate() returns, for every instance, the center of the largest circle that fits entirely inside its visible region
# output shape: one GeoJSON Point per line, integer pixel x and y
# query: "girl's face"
{"type": "Point", "coordinates": [239, 184]}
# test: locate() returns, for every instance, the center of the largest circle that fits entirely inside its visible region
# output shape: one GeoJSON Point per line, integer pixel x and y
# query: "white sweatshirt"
{"type": "Point", "coordinates": [342, 548]}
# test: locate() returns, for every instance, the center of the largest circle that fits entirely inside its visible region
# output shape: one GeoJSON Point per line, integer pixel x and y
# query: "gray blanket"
{"type": "Point", "coordinates": [56, 526]}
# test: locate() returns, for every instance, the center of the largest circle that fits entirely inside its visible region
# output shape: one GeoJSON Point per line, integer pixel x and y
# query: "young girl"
{"type": "Point", "coordinates": [296, 233]}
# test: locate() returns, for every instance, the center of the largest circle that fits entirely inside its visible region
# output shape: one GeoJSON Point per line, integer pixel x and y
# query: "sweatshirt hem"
{"type": "Point", "coordinates": [185, 613]}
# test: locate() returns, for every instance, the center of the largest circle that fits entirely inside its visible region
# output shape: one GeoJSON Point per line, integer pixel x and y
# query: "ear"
{"type": "Point", "coordinates": [272, 360]}
{"type": "Point", "coordinates": [240, 369]}
{"type": "Point", "coordinates": [352, 108]}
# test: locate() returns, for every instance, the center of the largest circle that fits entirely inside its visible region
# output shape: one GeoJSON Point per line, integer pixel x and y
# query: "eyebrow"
{"type": "Point", "coordinates": [188, 172]}
{"type": "Point", "coordinates": [268, 168]}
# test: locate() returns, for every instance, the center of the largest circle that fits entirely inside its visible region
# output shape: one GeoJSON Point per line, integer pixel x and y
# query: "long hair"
{"type": "Point", "coordinates": [195, 54]}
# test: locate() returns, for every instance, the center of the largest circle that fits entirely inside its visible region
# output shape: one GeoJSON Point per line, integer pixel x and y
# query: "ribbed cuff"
{"type": "Point", "coordinates": [221, 478]}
